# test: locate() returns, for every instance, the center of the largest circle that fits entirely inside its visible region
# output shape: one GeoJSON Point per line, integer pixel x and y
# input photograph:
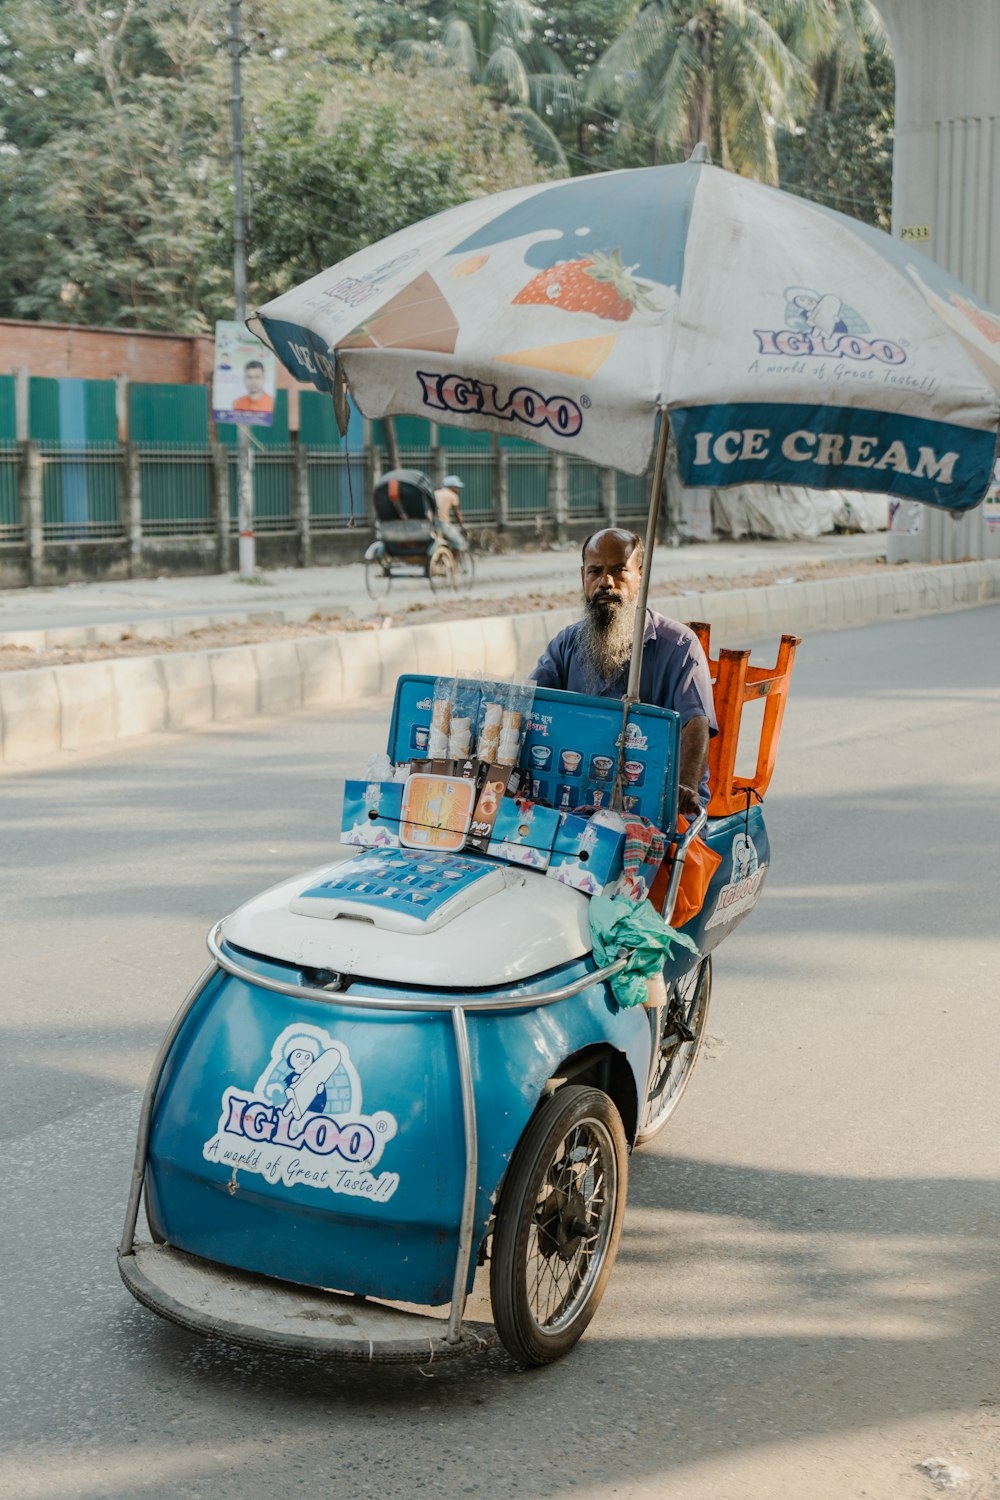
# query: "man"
{"type": "Point", "coordinates": [256, 398]}
{"type": "Point", "coordinates": [593, 655]}
{"type": "Point", "coordinates": [449, 512]}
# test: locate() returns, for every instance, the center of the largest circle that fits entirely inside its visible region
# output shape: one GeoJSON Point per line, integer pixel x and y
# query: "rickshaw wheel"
{"type": "Point", "coordinates": [465, 566]}
{"type": "Point", "coordinates": [687, 1004]}
{"type": "Point", "coordinates": [441, 569]}
{"type": "Point", "coordinates": [558, 1224]}
{"type": "Point", "coordinates": [378, 577]}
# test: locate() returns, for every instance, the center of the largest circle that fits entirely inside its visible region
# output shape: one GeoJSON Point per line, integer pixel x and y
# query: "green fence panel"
{"type": "Point", "coordinates": [8, 409]}
{"type": "Point", "coordinates": [275, 436]}
{"type": "Point", "coordinates": [632, 493]}
{"type": "Point", "coordinates": [100, 401]}
{"type": "Point", "coordinates": [476, 471]}
{"type": "Point", "coordinates": [411, 432]}
{"type": "Point", "coordinates": [457, 437]}
{"type": "Point", "coordinates": [583, 481]}
{"type": "Point", "coordinates": [176, 488]}
{"type": "Point", "coordinates": [163, 416]}
{"type": "Point", "coordinates": [273, 477]}
{"type": "Point", "coordinates": [10, 490]}
{"type": "Point", "coordinates": [317, 423]}
{"type": "Point", "coordinates": [338, 490]}
{"type": "Point", "coordinates": [81, 491]}
{"type": "Point", "coordinates": [75, 423]}
{"type": "Point", "coordinates": [528, 485]}
{"type": "Point", "coordinates": [43, 409]}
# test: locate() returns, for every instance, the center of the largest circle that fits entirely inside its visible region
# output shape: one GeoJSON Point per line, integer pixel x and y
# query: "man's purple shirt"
{"type": "Point", "coordinates": [674, 672]}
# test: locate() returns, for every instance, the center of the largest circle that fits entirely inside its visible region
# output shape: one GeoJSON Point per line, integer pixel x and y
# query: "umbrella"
{"type": "Point", "coordinates": [787, 343]}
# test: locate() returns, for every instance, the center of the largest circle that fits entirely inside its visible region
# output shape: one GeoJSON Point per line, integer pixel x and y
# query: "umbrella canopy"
{"type": "Point", "coordinates": [789, 344]}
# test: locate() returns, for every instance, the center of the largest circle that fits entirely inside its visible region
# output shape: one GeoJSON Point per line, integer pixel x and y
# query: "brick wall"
{"type": "Point", "coordinates": [60, 349]}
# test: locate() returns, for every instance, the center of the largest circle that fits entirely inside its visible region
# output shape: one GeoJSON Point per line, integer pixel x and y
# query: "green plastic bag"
{"type": "Point", "coordinates": [616, 924]}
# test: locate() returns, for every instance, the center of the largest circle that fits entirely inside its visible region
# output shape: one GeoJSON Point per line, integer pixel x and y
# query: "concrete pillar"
{"type": "Point", "coordinates": [502, 492]}
{"type": "Point", "coordinates": [946, 184]}
{"type": "Point", "coordinates": [439, 457]}
{"type": "Point", "coordinates": [220, 499]}
{"type": "Point", "coordinates": [374, 454]}
{"type": "Point", "coordinates": [301, 507]}
{"type": "Point", "coordinates": [21, 406]}
{"type": "Point", "coordinates": [609, 497]}
{"type": "Point", "coordinates": [121, 408]}
{"type": "Point", "coordinates": [559, 493]}
{"type": "Point", "coordinates": [31, 510]}
{"type": "Point", "coordinates": [132, 508]}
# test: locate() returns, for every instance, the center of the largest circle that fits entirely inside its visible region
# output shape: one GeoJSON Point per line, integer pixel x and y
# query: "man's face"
{"type": "Point", "coordinates": [253, 378]}
{"type": "Point", "coordinates": [611, 575]}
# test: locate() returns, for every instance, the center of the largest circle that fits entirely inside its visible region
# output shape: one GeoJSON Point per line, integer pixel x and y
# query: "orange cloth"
{"type": "Point", "coordinates": [263, 402]}
{"type": "Point", "coordinates": [700, 865]}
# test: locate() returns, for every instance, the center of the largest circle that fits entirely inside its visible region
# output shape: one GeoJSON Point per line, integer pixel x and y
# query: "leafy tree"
{"type": "Point", "coordinates": [843, 157]}
{"type": "Point", "coordinates": [330, 177]}
{"type": "Point", "coordinates": [109, 185]}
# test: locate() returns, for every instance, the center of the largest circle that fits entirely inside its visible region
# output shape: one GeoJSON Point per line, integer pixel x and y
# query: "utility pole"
{"type": "Point", "coordinates": [244, 452]}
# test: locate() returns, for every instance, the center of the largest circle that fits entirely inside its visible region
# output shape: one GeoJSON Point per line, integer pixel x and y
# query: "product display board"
{"type": "Point", "coordinates": [570, 748]}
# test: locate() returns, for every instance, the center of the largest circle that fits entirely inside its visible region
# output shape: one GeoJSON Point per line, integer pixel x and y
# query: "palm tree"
{"type": "Point", "coordinates": [840, 37]}
{"type": "Point", "coordinates": [493, 42]}
{"type": "Point", "coordinates": [728, 72]}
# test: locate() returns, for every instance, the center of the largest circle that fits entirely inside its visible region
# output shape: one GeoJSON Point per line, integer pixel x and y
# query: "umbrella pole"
{"type": "Point", "coordinates": [635, 665]}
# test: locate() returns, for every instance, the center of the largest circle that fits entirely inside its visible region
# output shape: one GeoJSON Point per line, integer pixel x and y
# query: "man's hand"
{"type": "Point", "coordinates": [694, 763]}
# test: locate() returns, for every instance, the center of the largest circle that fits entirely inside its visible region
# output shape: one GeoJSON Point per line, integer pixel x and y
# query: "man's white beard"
{"type": "Point", "coordinates": [607, 647]}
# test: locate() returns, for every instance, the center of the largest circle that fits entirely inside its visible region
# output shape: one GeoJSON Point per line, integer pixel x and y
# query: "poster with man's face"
{"type": "Point", "coordinates": [244, 378]}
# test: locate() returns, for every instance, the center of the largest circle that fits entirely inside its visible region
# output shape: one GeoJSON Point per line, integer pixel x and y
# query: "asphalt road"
{"type": "Point", "coordinates": [805, 1304]}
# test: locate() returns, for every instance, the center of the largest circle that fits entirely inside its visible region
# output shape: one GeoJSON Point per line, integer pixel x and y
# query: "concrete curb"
{"type": "Point", "coordinates": [164, 627]}
{"type": "Point", "coordinates": [47, 709]}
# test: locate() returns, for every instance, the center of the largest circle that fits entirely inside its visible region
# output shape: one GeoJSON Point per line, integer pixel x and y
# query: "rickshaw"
{"type": "Point", "coordinates": [409, 1064]}
{"type": "Point", "coordinates": [409, 539]}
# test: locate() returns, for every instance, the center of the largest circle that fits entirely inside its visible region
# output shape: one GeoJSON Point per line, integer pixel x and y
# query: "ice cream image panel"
{"type": "Point", "coordinates": [581, 357]}
{"type": "Point", "coordinates": [418, 317]}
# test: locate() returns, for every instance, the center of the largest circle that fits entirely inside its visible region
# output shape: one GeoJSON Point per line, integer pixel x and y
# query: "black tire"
{"type": "Point", "coordinates": [676, 1054]}
{"type": "Point", "coordinates": [378, 577]}
{"type": "Point", "coordinates": [569, 1168]}
{"type": "Point", "coordinates": [441, 569]}
{"type": "Point", "coordinates": [465, 567]}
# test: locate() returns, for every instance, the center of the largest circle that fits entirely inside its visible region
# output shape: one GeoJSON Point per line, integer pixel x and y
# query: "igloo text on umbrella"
{"type": "Point", "coordinates": [467, 397]}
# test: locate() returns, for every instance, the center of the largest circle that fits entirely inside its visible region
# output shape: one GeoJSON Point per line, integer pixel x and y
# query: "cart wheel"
{"type": "Point", "coordinates": [681, 1033]}
{"type": "Point", "coordinates": [441, 569]}
{"type": "Point", "coordinates": [558, 1223]}
{"type": "Point", "coordinates": [465, 566]}
{"type": "Point", "coordinates": [378, 577]}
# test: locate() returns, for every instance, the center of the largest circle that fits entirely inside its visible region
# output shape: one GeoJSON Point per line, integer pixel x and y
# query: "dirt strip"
{"type": "Point", "coordinates": [435, 607]}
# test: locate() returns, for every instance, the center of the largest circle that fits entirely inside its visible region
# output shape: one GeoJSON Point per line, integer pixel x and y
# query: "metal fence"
{"type": "Point", "coordinates": [81, 492]}
{"type": "Point", "coordinates": [175, 485]}
{"type": "Point", "coordinates": [11, 522]}
{"type": "Point", "coordinates": [338, 489]}
{"type": "Point", "coordinates": [173, 490]}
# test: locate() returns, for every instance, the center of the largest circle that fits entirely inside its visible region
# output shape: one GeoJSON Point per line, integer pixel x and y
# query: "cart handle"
{"type": "Point", "coordinates": [501, 1000]}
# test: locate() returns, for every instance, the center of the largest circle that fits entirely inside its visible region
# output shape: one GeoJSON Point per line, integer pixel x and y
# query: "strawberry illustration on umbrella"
{"type": "Point", "coordinates": [598, 284]}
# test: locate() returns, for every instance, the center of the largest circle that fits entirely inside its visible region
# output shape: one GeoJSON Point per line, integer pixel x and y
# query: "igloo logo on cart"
{"type": "Point", "coordinates": [303, 1124]}
{"type": "Point", "coordinates": [742, 892]}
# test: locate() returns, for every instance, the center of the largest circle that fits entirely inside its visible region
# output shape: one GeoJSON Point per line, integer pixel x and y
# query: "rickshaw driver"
{"type": "Point", "coordinates": [449, 512]}
{"type": "Point", "coordinates": [593, 655]}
